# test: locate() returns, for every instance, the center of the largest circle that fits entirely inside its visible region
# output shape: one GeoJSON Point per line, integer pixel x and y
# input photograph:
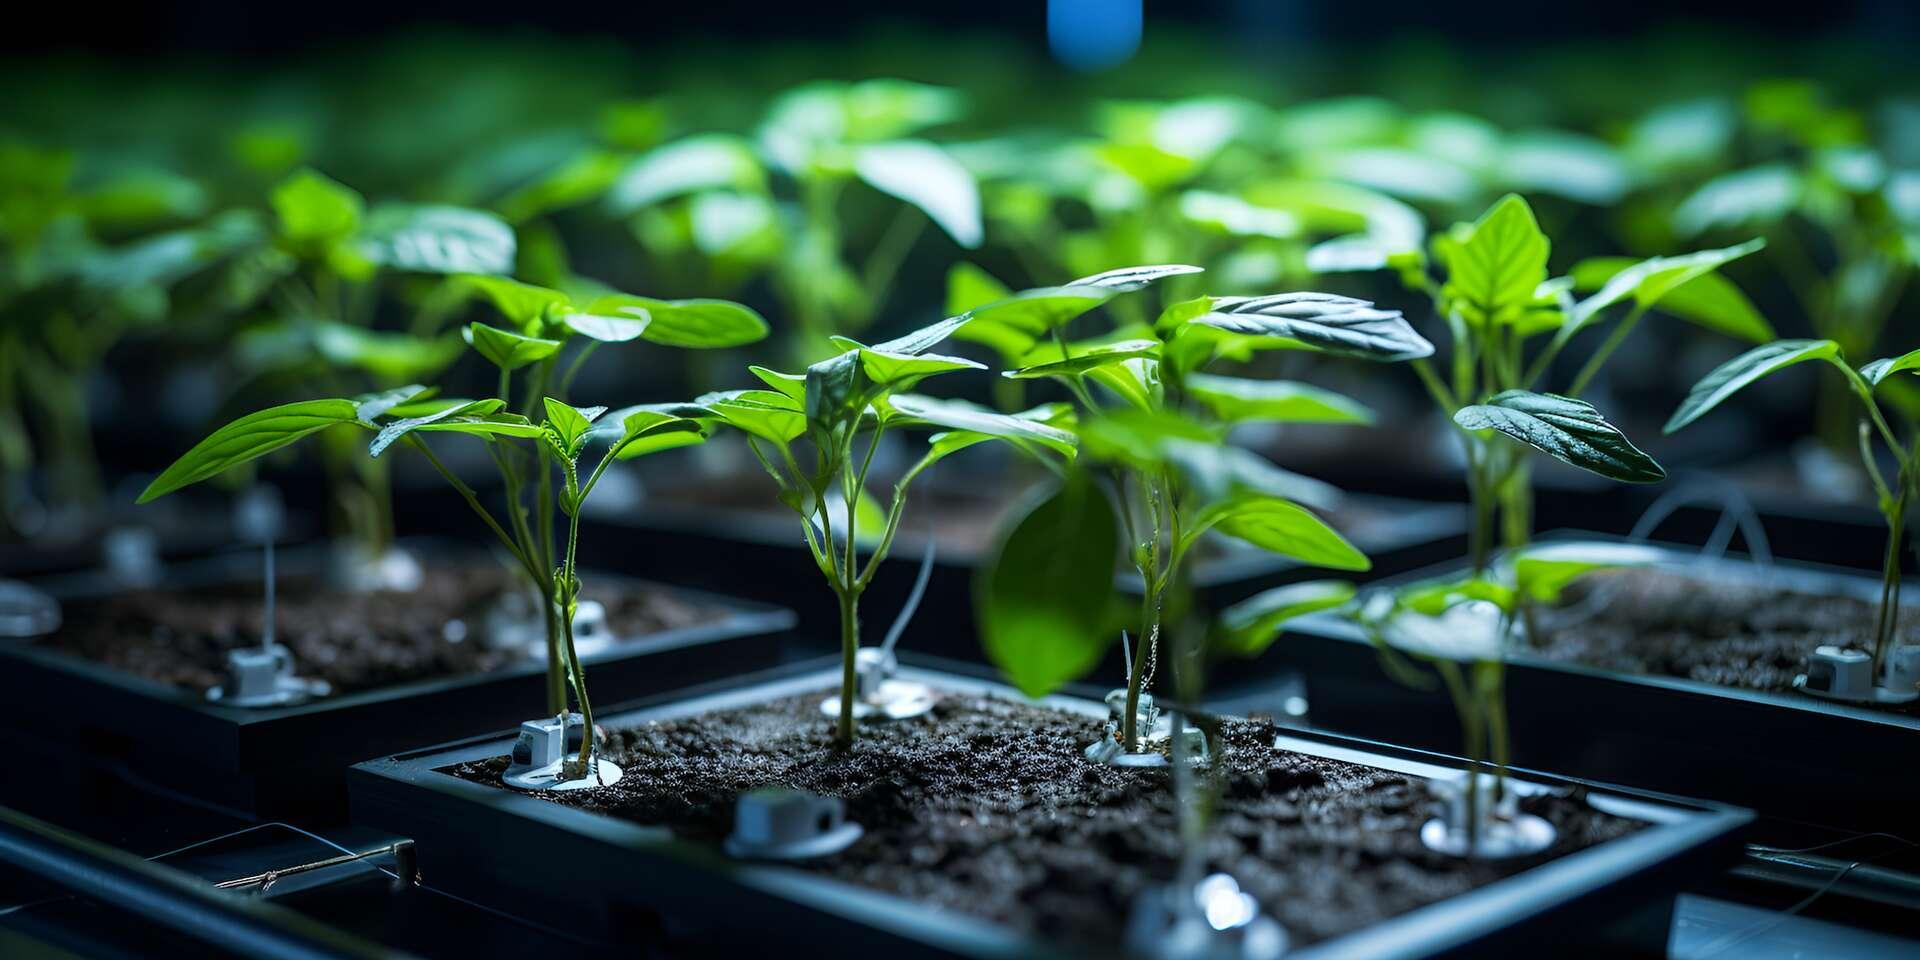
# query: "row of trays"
{"type": "Point", "coordinates": [1620, 747]}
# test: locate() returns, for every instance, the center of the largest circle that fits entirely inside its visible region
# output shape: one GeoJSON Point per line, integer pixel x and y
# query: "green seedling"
{"type": "Point", "coordinates": [1870, 385]}
{"type": "Point", "coordinates": [537, 448]}
{"type": "Point", "coordinates": [1155, 424]}
{"type": "Point", "coordinates": [807, 431]}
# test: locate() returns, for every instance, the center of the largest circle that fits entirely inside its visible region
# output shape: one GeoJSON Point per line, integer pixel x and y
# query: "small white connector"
{"type": "Point", "coordinates": [1500, 831]}
{"type": "Point", "coordinates": [780, 823]}
{"type": "Point", "coordinates": [263, 677]}
{"type": "Point", "coordinates": [542, 752]}
{"type": "Point", "coordinates": [879, 696]}
{"type": "Point", "coordinates": [1211, 920]}
{"type": "Point", "coordinates": [1846, 675]}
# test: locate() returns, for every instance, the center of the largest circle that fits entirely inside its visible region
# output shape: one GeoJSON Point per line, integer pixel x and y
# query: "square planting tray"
{"type": "Point", "coordinates": [1786, 755]}
{"type": "Point", "coordinates": [763, 555]}
{"type": "Point", "coordinates": [643, 888]}
{"type": "Point", "coordinates": [292, 759]}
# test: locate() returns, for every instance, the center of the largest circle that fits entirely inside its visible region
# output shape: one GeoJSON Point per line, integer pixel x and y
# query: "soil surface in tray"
{"type": "Point", "coordinates": [987, 807]}
{"type": "Point", "coordinates": [1737, 635]}
{"type": "Point", "coordinates": [354, 641]}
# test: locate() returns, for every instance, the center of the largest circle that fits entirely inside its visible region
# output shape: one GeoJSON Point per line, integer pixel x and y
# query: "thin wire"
{"type": "Point", "coordinates": [913, 599]}
{"type": "Point", "coordinates": [1737, 937]}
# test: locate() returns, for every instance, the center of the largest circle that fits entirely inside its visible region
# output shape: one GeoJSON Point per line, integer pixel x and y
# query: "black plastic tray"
{"type": "Point", "coordinates": [641, 884]}
{"type": "Point", "coordinates": [762, 555]}
{"type": "Point", "coordinates": [292, 760]}
{"type": "Point", "coordinates": [1784, 755]}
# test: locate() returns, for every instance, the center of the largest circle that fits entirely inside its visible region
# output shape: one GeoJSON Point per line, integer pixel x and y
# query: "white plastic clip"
{"type": "Point", "coordinates": [778, 823]}
{"type": "Point", "coordinates": [1211, 920]}
{"type": "Point", "coordinates": [540, 755]}
{"type": "Point", "coordinates": [1501, 831]}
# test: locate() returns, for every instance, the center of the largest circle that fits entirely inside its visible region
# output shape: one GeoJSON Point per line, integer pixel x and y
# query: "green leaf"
{"type": "Point", "coordinates": [387, 356]}
{"type": "Point", "coordinates": [570, 423]}
{"type": "Point", "coordinates": [438, 239]}
{"type": "Point", "coordinates": [1650, 282]}
{"type": "Point", "coordinates": [526, 305]}
{"type": "Point", "coordinates": [1885, 367]}
{"type": "Point", "coordinates": [315, 211]}
{"type": "Point", "coordinates": [649, 429]}
{"type": "Point", "coordinates": [1542, 572]}
{"type": "Point", "coordinates": [609, 329]}
{"type": "Point", "coordinates": [1134, 381]}
{"type": "Point", "coordinates": [1140, 437]}
{"type": "Point", "coordinates": [1250, 626]}
{"type": "Point", "coordinates": [509, 351]}
{"type": "Point", "coordinates": [900, 371]}
{"type": "Point", "coordinates": [969, 286]}
{"type": "Point", "coordinates": [249, 437]}
{"type": "Point", "coordinates": [1281, 527]}
{"type": "Point", "coordinates": [373, 406]}
{"type": "Point", "coordinates": [1217, 471]}
{"type": "Point", "coordinates": [1321, 321]}
{"type": "Point", "coordinates": [1568, 430]}
{"type": "Point", "coordinates": [925, 338]}
{"type": "Point", "coordinates": [1238, 400]}
{"type": "Point", "coordinates": [924, 175]}
{"type": "Point", "coordinates": [762, 413]}
{"type": "Point", "coordinates": [474, 409]}
{"type": "Point", "coordinates": [1434, 599]}
{"type": "Point", "coordinates": [695, 164]}
{"type": "Point", "coordinates": [695, 324]}
{"type": "Point", "coordinates": [792, 384]}
{"type": "Point", "coordinates": [1495, 265]}
{"type": "Point", "coordinates": [960, 415]}
{"type": "Point", "coordinates": [1710, 300]}
{"type": "Point", "coordinates": [1044, 599]}
{"type": "Point", "coordinates": [1744, 198]}
{"type": "Point", "coordinates": [1236, 217]}
{"type": "Point", "coordinates": [1081, 363]}
{"type": "Point", "coordinates": [1728, 378]}
{"type": "Point", "coordinates": [1132, 279]}
{"type": "Point", "coordinates": [1038, 311]}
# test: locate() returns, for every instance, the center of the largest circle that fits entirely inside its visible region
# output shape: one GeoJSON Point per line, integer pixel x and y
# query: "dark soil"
{"type": "Point", "coordinates": [1661, 623]}
{"type": "Point", "coordinates": [988, 808]}
{"type": "Point", "coordinates": [354, 641]}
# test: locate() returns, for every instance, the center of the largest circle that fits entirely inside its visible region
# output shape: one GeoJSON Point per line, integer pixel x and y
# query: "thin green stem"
{"type": "Point", "coordinates": [1616, 337]}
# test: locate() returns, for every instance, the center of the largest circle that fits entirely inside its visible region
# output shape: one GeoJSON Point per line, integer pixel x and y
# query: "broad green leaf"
{"type": "Point", "coordinates": [373, 406]}
{"type": "Point", "coordinates": [1085, 361]}
{"type": "Point", "coordinates": [1710, 300]}
{"type": "Point", "coordinates": [1238, 400]}
{"type": "Point", "coordinates": [1566, 164]}
{"type": "Point", "coordinates": [1035, 312]}
{"type": "Point", "coordinates": [1250, 626]}
{"type": "Point", "coordinates": [925, 338]}
{"type": "Point", "coordinates": [900, 371]}
{"type": "Point", "coordinates": [1434, 599]}
{"type": "Point", "coordinates": [1132, 279]}
{"type": "Point", "coordinates": [834, 401]}
{"type": "Point", "coordinates": [1134, 381]}
{"type": "Point", "coordinates": [924, 175]}
{"type": "Point", "coordinates": [650, 429]}
{"type": "Point", "coordinates": [1496, 264]}
{"type": "Point", "coordinates": [1277, 526]}
{"type": "Point", "coordinates": [969, 286]}
{"type": "Point", "coordinates": [1885, 367]}
{"type": "Point", "coordinates": [507, 350]}
{"type": "Point", "coordinates": [387, 356]}
{"type": "Point", "coordinates": [762, 413]}
{"type": "Point", "coordinates": [692, 165]}
{"type": "Point", "coordinates": [1044, 599]}
{"type": "Point", "coordinates": [1744, 198]}
{"type": "Point", "coordinates": [1218, 471]}
{"type": "Point", "coordinates": [569, 422]}
{"type": "Point", "coordinates": [526, 305]}
{"type": "Point", "coordinates": [960, 415]}
{"type": "Point", "coordinates": [438, 239]}
{"type": "Point", "coordinates": [792, 384]}
{"type": "Point", "coordinates": [694, 324]}
{"type": "Point", "coordinates": [1542, 572]}
{"type": "Point", "coordinates": [1141, 437]}
{"type": "Point", "coordinates": [1728, 378]}
{"type": "Point", "coordinates": [316, 211]}
{"type": "Point", "coordinates": [471, 409]}
{"type": "Point", "coordinates": [1650, 282]}
{"type": "Point", "coordinates": [608, 328]}
{"type": "Point", "coordinates": [1568, 430]}
{"type": "Point", "coordinates": [1185, 311]}
{"type": "Point", "coordinates": [250, 437]}
{"type": "Point", "coordinates": [1231, 215]}
{"type": "Point", "coordinates": [1321, 321]}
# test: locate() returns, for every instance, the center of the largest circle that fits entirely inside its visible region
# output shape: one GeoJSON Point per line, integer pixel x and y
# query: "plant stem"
{"type": "Point", "coordinates": [1599, 358]}
{"type": "Point", "coordinates": [849, 679]}
{"type": "Point", "coordinates": [1136, 674]}
{"type": "Point", "coordinates": [1889, 616]}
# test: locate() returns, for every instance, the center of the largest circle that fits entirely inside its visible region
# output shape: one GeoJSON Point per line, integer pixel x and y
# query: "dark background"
{"type": "Point", "coordinates": [263, 28]}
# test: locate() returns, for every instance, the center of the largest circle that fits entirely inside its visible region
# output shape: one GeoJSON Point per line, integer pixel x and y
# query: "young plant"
{"type": "Point", "coordinates": [1499, 303]}
{"type": "Point", "coordinates": [1156, 424]}
{"type": "Point", "coordinates": [532, 448]}
{"type": "Point", "coordinates": [854, 395]}
{"type": "Point", "coordinates": [1869, 384]}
